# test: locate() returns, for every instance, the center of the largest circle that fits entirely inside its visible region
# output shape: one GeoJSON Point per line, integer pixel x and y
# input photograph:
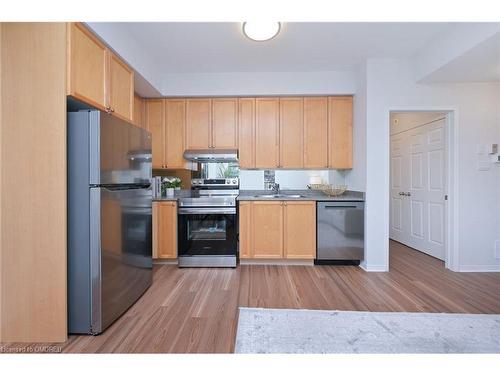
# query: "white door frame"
{"type": "Point", "coordinates": [451, 246]}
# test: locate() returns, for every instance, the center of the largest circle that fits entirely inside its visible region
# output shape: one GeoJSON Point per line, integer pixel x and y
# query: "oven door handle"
{"type": "Point", "coordinates": [207, 211]}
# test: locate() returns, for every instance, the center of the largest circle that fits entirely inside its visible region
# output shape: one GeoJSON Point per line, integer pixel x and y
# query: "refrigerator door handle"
{"type": "Point", "coordinates": [95, 261]}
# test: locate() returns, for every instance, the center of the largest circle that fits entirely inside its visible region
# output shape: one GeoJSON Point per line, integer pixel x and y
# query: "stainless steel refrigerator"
{"type": "Point", "coordinates": [109, 218]}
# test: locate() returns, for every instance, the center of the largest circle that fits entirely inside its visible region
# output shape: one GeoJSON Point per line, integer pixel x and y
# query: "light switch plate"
{"type": "Point", "coordinates": [483, 165]}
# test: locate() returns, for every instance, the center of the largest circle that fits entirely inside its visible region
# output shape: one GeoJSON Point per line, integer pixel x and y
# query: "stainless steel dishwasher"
{"type": "Point", "coordinates": [340, 232]}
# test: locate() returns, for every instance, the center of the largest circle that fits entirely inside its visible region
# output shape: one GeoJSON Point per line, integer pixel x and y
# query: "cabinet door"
{"type": "Point", "coordinates": [165, 230]}
{"type": "Point", "coordinates": [316, 132]}
{"type": "Point", "coordinates": [340, 132]}
{"type": "Point", "coordinates": [245, 229]}
{"type": "Point", "coordinates": [175, 118]}
{"type": "Point", "coordinates": [86, 66]}
{"type": "Point", "coordinates": [121, 88]}
{"type": "Point", "coordinates": [267, 133]}
{"type": "Point", "coordinates": [155, 120]}
{"type": "Point", "coordinates": [225, 123]}
{"type": "Point", "coordinates": [267, 229]}
{"type": "Point", "coordinates": [291, 133]}
{"type": "Point", "coordinates": [300, 229]}
{"type": "Point", "coordinates": [198, 123]}
{"type": "Point", "coordinates": [139, 112]}
{"type": "Point", "coordinates": [246, 133]}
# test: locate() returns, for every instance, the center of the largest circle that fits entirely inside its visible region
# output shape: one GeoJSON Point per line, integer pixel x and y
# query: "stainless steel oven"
{"type": "Point", "coordinates": [208, 225]}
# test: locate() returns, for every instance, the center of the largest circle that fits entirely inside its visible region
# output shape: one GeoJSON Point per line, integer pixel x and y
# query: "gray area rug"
{"type": "Point", "coordinates": [324, 331]}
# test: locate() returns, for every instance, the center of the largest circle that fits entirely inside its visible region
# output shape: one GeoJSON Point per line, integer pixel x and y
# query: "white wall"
{"type": "Point", "coordinates": [450, 45]}
{"type": "Point", "coordinates": [391, 86]}
{"type": "Point", "coordinates": [259, 83]}
{"type": "Point", "coordinates": [289, 179]}
{"type": "Point", "coordinates": [356, 177]}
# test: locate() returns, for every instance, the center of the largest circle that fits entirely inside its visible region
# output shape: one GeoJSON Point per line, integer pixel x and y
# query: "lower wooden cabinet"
{"type": "Point", "coordinates": [267, 229]}
{"type": "Point", "coordinates": [277, 229]}
{"type": "Point", "coordinates": [245, 229]}
{"type": "Point", "coordinates": [299, 230]}
{"type": "Point", "coordinates": [165, 230]}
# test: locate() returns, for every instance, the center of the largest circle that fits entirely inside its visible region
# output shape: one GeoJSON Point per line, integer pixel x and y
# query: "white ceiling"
{"type": "Point", "coordinates": [479, 64]}
{"type": "Point", "coordinates": [178, 47]}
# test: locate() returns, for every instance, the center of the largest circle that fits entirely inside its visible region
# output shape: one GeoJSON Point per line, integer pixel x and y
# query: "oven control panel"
{"type": "Point", "coordinates": [230, 182]}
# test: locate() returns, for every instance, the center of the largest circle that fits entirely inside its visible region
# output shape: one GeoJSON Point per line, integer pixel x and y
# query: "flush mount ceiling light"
{"type": "Point", "coordinates": [261, 31]}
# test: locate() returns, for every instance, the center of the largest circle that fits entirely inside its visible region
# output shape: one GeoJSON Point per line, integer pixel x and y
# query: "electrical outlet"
{"type": "Point", "coordinates": [497, 249]}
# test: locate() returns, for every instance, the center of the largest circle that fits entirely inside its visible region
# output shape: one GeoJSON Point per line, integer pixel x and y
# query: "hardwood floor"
{"type": "Point", "coordinates": [195, 310]}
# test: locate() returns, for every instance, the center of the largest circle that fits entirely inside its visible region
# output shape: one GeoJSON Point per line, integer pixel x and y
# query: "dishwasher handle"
{"type": "Point", "coordinates": [340, 205]}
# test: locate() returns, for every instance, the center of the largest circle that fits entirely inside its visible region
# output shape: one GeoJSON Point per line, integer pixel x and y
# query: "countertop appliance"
{"type": "Point", "coordinates": [340, 232]}
{"type": "Point", "coordinates": [207, 224]}
{"type": "Point", "coordinates": [109, 218]}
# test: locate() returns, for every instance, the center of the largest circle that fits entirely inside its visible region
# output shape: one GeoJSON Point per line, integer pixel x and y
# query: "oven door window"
{"type": "Point", "coordinates": [207, 234]}
{"type": "Point", "coordinates": [207, 228]}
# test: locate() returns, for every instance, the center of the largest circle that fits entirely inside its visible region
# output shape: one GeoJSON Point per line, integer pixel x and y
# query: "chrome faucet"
{"type": "Point", "coordinates": [275, 187]}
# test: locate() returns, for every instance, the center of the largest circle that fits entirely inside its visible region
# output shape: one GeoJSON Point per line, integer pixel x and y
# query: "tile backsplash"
{"type": "Point", "coordinates": [288, 179]}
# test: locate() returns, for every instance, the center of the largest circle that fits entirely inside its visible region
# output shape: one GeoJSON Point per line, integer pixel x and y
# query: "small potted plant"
{"type": "Point", "coordinates": [169, 184]}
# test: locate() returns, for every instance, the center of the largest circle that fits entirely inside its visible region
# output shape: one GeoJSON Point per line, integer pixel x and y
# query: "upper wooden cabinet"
{"type": "Point", "coordinates": [198, 123]}
{"type": "Point", "coordinates": [87, 60]}
{"type": "Point", "coordinates": [246, 132]}
{"type": "Point", "coordinates": [291, 133]}
{"type": "Point", "coordinates": [165, 119]}
{"type": "Point", "coordinates": [139, 115]}
{"type": "Point", "coordinates": [120, 88]}
{"type": "Point", "coordinates": [175, 118]}
{"type": "Point", "coordinates": [155, 120]}
{"type": "Point", "coordinates": [225, 123]}
{"type": "Point", "coordinates": [96, 75]}
{"type": "Point", "coordinates": [267, 132]}
{"type": "Point", "coordinates": [316, 132]}
{"type": "Point", "coordinates": [212, 123]}
{"type": "Point", "coordinates": [340, 132]}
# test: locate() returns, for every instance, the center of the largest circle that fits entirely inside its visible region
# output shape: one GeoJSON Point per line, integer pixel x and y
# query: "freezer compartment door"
{"type": "Point", "coordinates": [340, 230]}
{"type": "Point", "coordinates": [125, 250]}
{"type": "Point", "coordinates": [120, 153]}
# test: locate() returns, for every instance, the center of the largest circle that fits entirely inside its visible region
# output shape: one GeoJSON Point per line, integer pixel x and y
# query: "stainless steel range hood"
{"type": "Point", "coordinates": [211, 156]}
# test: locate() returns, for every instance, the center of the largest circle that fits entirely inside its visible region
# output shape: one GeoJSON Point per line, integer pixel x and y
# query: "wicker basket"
{"type": "Point", "coordinates": [334, 191]}
{"type": "Point", "coordinates": [317, 186]}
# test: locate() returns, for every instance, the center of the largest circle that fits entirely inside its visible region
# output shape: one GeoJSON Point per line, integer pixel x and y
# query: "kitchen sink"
{"type": "Point", "coordinates": [279, 196]}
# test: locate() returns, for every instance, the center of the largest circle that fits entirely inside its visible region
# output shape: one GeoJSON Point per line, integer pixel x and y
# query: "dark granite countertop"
{"type": "Point", "coordinates": [308, 195]}
{"type": "Point", "coordinates": [250, 195]}
{"type": "Point", "coordinates": [184, 193]}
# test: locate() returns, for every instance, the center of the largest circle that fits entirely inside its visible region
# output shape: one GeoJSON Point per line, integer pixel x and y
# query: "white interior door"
{"type": "Point", "coordinates": [418, 188]}
{"type": "Point", "coordinates": [399, 183]}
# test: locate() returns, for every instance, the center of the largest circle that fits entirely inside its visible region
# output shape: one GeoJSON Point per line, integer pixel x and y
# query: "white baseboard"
{"type": "Point", "coordinates": [479, 268]}
{"type": "Point", "coordinates": [373, 267]}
